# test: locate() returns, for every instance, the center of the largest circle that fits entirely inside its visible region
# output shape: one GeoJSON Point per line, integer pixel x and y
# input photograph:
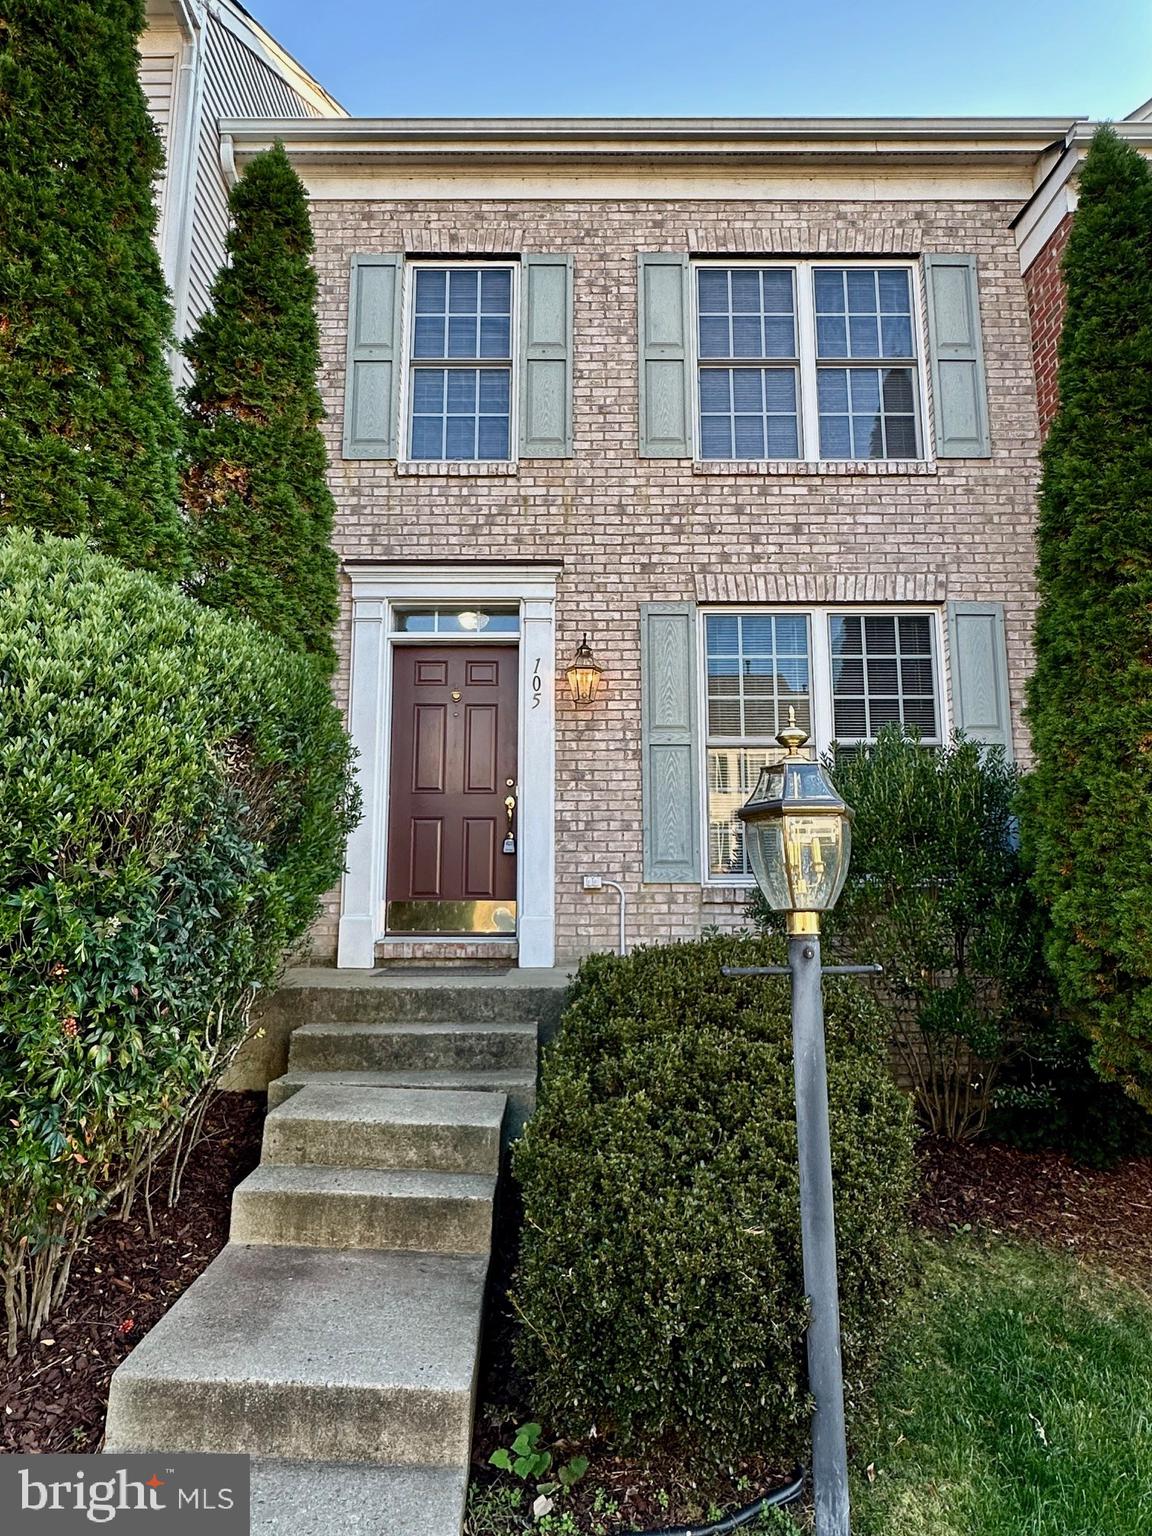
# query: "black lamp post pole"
{"type": "Point", "coordinates": [818, 1238]}
{"type": "Point", "coordinates": [817, 1220]}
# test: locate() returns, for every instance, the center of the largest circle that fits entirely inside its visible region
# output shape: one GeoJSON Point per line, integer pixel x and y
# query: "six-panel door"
{"type": "Point", "coordinates": [451, 833]}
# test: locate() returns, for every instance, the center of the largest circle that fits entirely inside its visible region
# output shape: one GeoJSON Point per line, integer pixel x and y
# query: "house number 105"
{"type": "Point", "coordinates": [537, 685]}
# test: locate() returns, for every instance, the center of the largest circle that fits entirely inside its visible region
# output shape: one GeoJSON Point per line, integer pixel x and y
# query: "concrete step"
{"type": "Point", "coordinates": [422, 1047]}
{"type": "Point", "coordinates": [315, 994]}
{"type": "Point", "coordinates": [517, 1083]}
{"type": "Point", "coordinates": [427, 1129]}
{"type": "Point", "coordinates": [312, 1355]}
{"type": "Point", "coordinates": [305, 1206]}
{"type": "Point", "coordinates": [301, 1498]}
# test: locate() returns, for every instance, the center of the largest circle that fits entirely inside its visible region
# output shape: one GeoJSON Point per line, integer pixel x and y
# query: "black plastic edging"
{"type": "Point", "coordinates": [733, 1522]}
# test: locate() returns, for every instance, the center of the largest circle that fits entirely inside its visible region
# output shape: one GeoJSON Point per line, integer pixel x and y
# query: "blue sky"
{"type": "Point", "coordinates": [388, 58]}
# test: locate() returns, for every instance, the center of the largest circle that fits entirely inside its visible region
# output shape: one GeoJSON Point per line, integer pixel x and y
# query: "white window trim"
{"type": "Point", "coordinates": [809, 416]}
{"type": "Point", "coordinates": [820, 657]}
{"type": "Point", "coordinates": [411, 267]}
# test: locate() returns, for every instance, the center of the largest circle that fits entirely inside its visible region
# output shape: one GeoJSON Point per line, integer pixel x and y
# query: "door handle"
{"type": "Point", "coordinates": [510, 836]}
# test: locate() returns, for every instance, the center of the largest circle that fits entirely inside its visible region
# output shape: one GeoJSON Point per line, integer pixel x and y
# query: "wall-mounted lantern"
{"type": "Point", "coordinates": [584, 674]}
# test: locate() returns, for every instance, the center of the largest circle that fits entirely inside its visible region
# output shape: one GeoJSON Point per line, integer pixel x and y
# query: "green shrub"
{"type": "Point", "coordinates": [1088, 810]}
{"type": "Point", "coordinates": [1050, 1098]}
{"type": "Point", "coordinates": [175, 796]}
{"type": "Point", "coordinates": [660, 1285]}
{"type": "Point", "coordinates": [256, 485]}
{"type": "Point", "coordinates": [89, 424]}
{"type": "Point", "coordinates": [936, 894]}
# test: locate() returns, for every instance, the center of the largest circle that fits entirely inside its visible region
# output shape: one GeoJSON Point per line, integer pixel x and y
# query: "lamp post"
{"type": "Point", "coordinates": [798, 832]}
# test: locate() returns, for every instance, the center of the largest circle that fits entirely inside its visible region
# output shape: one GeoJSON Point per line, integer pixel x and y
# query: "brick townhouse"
{"type": "Point", "coordinates": [750, 404]}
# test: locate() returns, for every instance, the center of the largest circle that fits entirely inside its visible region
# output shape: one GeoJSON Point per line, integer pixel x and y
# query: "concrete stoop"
{"type": "Point", "coordinates": [335, 1339]}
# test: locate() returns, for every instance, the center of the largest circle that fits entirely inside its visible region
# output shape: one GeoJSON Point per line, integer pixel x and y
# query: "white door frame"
{"type": "Point", "coordinates": [375, 590]}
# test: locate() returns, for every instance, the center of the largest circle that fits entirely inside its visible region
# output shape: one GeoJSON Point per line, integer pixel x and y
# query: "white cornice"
{"type": "Point", "coordinates": [1055, 194]}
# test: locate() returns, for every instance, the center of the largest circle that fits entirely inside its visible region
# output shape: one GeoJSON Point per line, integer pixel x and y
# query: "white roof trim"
{"type": "Point", "coordinates": [249, 31]}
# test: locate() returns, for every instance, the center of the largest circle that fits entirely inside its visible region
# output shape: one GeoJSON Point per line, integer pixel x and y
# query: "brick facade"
{"type": "Point", "coordinates": [630, 530]}
{"type": "Point", "coordinates": [1045, 288]}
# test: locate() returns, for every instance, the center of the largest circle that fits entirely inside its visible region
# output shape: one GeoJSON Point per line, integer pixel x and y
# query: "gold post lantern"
{"type": "Point", "coordinates": [798, 832]}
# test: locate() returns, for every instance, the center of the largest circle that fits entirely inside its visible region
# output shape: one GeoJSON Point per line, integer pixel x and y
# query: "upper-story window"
{"type": "Point", "coordinates": [460, 375]}
{"type": "Point", "coordinates": [807, 361]}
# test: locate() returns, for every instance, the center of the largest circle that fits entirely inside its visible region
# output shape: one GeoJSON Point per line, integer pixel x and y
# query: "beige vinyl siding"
{"type": "Point", "coordinates": [237, 83]}
{"type": "Point", "coordinates": [158, 77]}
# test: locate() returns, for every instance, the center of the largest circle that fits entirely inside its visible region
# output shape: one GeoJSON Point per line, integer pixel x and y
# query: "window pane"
{"type": "Point", "coordinates": [461, 413]}
{"type": "Point", "coordinates": [715, 336]}
{"type": "Point", "coordinates": [712, 291]}
{"type": "Point", "coordinates": [495, 336]}
{"type": "Point", "coordinates": [428, 336]}
{"type": "Point", "coordinates": [746, 312]}
{"type": "Point", "coordinates": [496, 292]}
{"type": "Point", "coordinates": [493, 437]}
{"type": "Point", "coordinates": [831, 336]}
{"type": "Point", "coordinates": [427, 437]}
{"type": "Point", "coordinates": [460, 437]}
{"type": "Point", "coordinates": [428, 389]}
{"type": "Point", "coordinates": [895, 290]}
{"type": "Point", "coordinates": [431, 291]}
{"type": "Point", "coordinates": [863, 336]}
{"type": "Point", "coordinates": [716, 437]}
{"type": "Point", "coordinates": [883, 672]}
{"type": "Point", "coordinates": [462, 336]}
{"type": "Point", "coordinates": [748, 413]}
{"type": "Point", "coordinates": [896, 336]}
{"type": "Point", "coordinates": [722, 634]}
{"type": "Point", "coordinates": [463, 292]}
{"type": "Point", "coordinates": [732, 776]}
{"type": "Point", "coordinates": [756, 666]}
{"type": "Point", "coordinates": [882, 423]}
{"type": "Point", "coordinates": [749, 437]}
{"type": "Point", "coordinates": [829, 292]}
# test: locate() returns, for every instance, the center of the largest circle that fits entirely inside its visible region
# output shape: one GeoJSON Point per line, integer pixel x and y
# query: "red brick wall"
{"type": "Point", "coordinates": [1045, 289]}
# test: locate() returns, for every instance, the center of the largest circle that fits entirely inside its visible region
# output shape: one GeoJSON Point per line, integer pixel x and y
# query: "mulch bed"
{"type": "Point", "coordinates": [1103, 1215]}
{"type": "Point", "coordinates": [53, 1395]}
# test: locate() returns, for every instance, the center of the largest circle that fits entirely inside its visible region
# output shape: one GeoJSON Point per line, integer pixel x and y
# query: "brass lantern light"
{"type": "Point", "coordinates": [798, 833]}
{"type": "Point", "coordinates": [584, 674]}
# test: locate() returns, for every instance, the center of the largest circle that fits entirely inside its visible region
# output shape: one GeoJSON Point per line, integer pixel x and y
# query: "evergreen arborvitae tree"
{"type": "Point", "coordinates": [1088, 816]}
{"type": "Point", "coordinates": [89, 423]}
{"type": "Point", "coordinates": [256, 488]}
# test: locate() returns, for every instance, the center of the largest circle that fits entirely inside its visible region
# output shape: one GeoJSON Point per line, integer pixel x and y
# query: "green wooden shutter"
{"type": "Point", "coordinates": [372, 381]}
{"type": "Point", "coordinates": [664, 324]}
{"type": "Point", "coordinates": [978, 657]}
{"type": "Point", "coordinates": [546, 357]}
{"type": "Point", "coordinates": [959, 392]}
{"type": "Point", "coordinates": [671, 775]}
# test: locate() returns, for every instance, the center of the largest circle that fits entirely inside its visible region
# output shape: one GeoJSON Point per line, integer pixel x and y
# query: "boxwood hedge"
{"type": "Point", "coordinates": [175, 795]}
{"type": "Point", "coordinates": [660, 1284]}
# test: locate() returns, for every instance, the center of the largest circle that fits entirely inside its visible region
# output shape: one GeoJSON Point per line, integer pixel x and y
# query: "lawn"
{"type": "Point", "coordinates": [1019, 1405]}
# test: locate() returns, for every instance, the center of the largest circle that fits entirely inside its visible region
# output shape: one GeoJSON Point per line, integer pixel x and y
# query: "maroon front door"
{"type": "Point", "coordinates": [452, 818]}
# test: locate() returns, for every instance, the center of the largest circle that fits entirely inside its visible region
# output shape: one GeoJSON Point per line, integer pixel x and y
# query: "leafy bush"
{"type": "Point", "coordinates": [936, 893]}
{"type": "Point", "coordinates": [89, 424]}
{"type": "Point", "coordinates": [1088, 810]}
{"type": "Point", "coordinates": [660, 1283]}
{"type": "Point", "coordinates": [1050, 1097]}
{"type": "Point", "coordinates": [175, 797]}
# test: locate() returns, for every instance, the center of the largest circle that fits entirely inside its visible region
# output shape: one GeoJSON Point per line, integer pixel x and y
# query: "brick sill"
{"type": "Point", "coordinates": [469, 469]}
{"type": "Point", "coordinates": [869, 467]}
{"type": "Point", "coordinates": [726, 895]}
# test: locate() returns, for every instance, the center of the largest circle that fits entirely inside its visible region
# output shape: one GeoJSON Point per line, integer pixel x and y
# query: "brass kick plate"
{"type": "Point", "coordinates": [451, 917]}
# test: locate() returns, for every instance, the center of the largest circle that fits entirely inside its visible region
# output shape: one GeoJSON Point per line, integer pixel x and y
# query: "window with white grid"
{"type": "Point", "coordinates": [846, 674]}
{"type": "Point", "coordinates": [807, 360]}
{"type": "Point", "coordinates": [460, 362]}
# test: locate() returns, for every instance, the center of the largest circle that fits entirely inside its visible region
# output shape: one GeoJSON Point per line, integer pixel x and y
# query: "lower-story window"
{"type": "Point", "coordinates": [845, 673]}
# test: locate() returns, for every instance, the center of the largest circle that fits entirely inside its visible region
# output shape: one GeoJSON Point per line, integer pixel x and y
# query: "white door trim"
{"type": "Point", "coordinates": [375, 589]}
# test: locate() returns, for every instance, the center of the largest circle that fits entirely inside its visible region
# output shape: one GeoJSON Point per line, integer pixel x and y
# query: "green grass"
{"type": "Point", "coordinates": [1020, 1404]}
